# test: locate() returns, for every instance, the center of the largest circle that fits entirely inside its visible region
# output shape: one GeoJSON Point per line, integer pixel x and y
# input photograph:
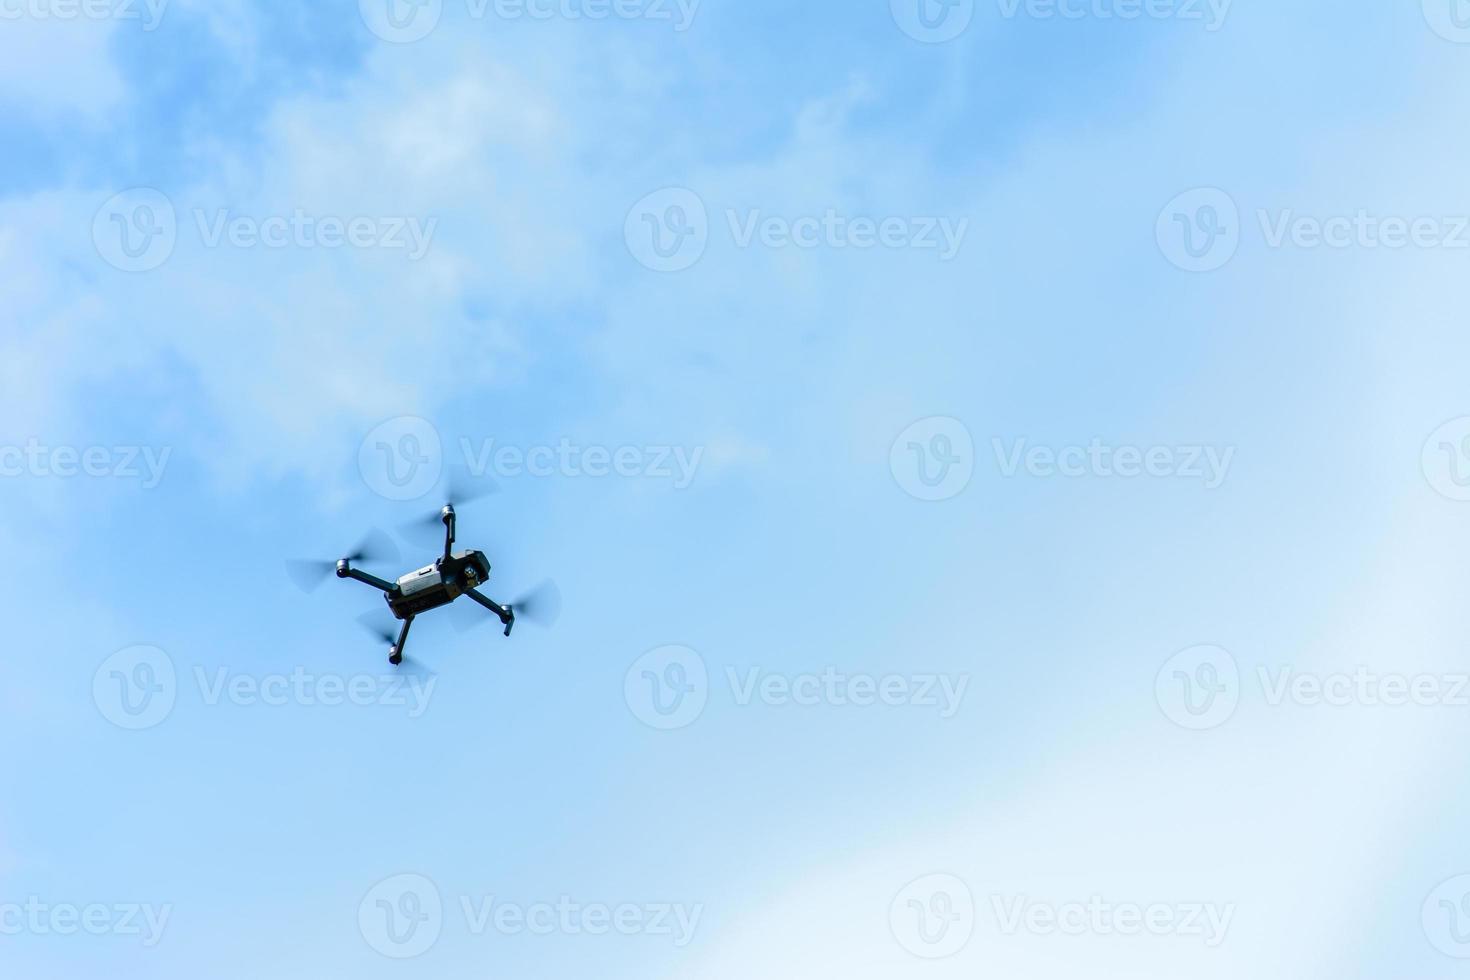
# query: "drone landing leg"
{"type": "Point", "coordinates": [395, 655]}
{"type": "Point", "coordinates": [507, 614]}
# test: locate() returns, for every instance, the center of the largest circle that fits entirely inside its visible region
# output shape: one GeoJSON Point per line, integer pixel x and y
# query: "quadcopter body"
{"type": "Point", "coordinates": [438, 584]}
{"type": "Point", "coordinates": [452, 575]}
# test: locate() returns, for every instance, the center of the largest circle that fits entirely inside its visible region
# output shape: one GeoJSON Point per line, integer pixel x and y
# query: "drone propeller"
{"type": "Point", "coordinates": [373, 622]}
{"type": "Point", "coordinates": [378, 625]}
{"type": "Point", "coordinates": [374, 547]}
{"type": "Point", "coordinates": [460, 487]}
{"type": "Point", "coordinates": [541, 606]}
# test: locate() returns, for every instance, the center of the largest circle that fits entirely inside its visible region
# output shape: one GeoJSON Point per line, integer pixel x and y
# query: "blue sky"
{"type": "Point", "coordinates": [981, 547]}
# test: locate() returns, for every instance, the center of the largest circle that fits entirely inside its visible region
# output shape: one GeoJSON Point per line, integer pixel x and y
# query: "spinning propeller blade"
{"type": "Point", "coordinates": [465, 614]}
{"type": "Point", "coordinates": [382, 626]}
{"type": "Point", "coordinates": [377, 624]}
{"type": "Point", "coordinates": [374, 547]}
{"type": "Point", "coordinates": [309, 575]}
{"type": "Point", "coordinates": [460, 487]}
{"type": "Point", "coordinates": [541, 605]}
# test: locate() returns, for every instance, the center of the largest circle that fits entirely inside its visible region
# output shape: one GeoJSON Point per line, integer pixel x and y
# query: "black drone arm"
{"type": "Point", "coordinates": [507, 614]}
{"type": "Point", "coordinates": [345, 570]}
{"type": "Point", "coordinates": [449, 521]}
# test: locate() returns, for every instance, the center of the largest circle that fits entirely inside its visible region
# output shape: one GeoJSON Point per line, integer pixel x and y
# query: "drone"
{"type": "Point", "coordinates": [453, 575]}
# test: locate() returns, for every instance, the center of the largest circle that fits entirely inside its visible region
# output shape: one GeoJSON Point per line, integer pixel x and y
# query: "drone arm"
{"type": "Point", "coordinates": [507, 614]}
{"type": "Point", "coordinates": [345, 570]}
{"type": "Point", "coordinates": [449, 521]}
{"type": "Point", "coordinates": [395, 655]}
